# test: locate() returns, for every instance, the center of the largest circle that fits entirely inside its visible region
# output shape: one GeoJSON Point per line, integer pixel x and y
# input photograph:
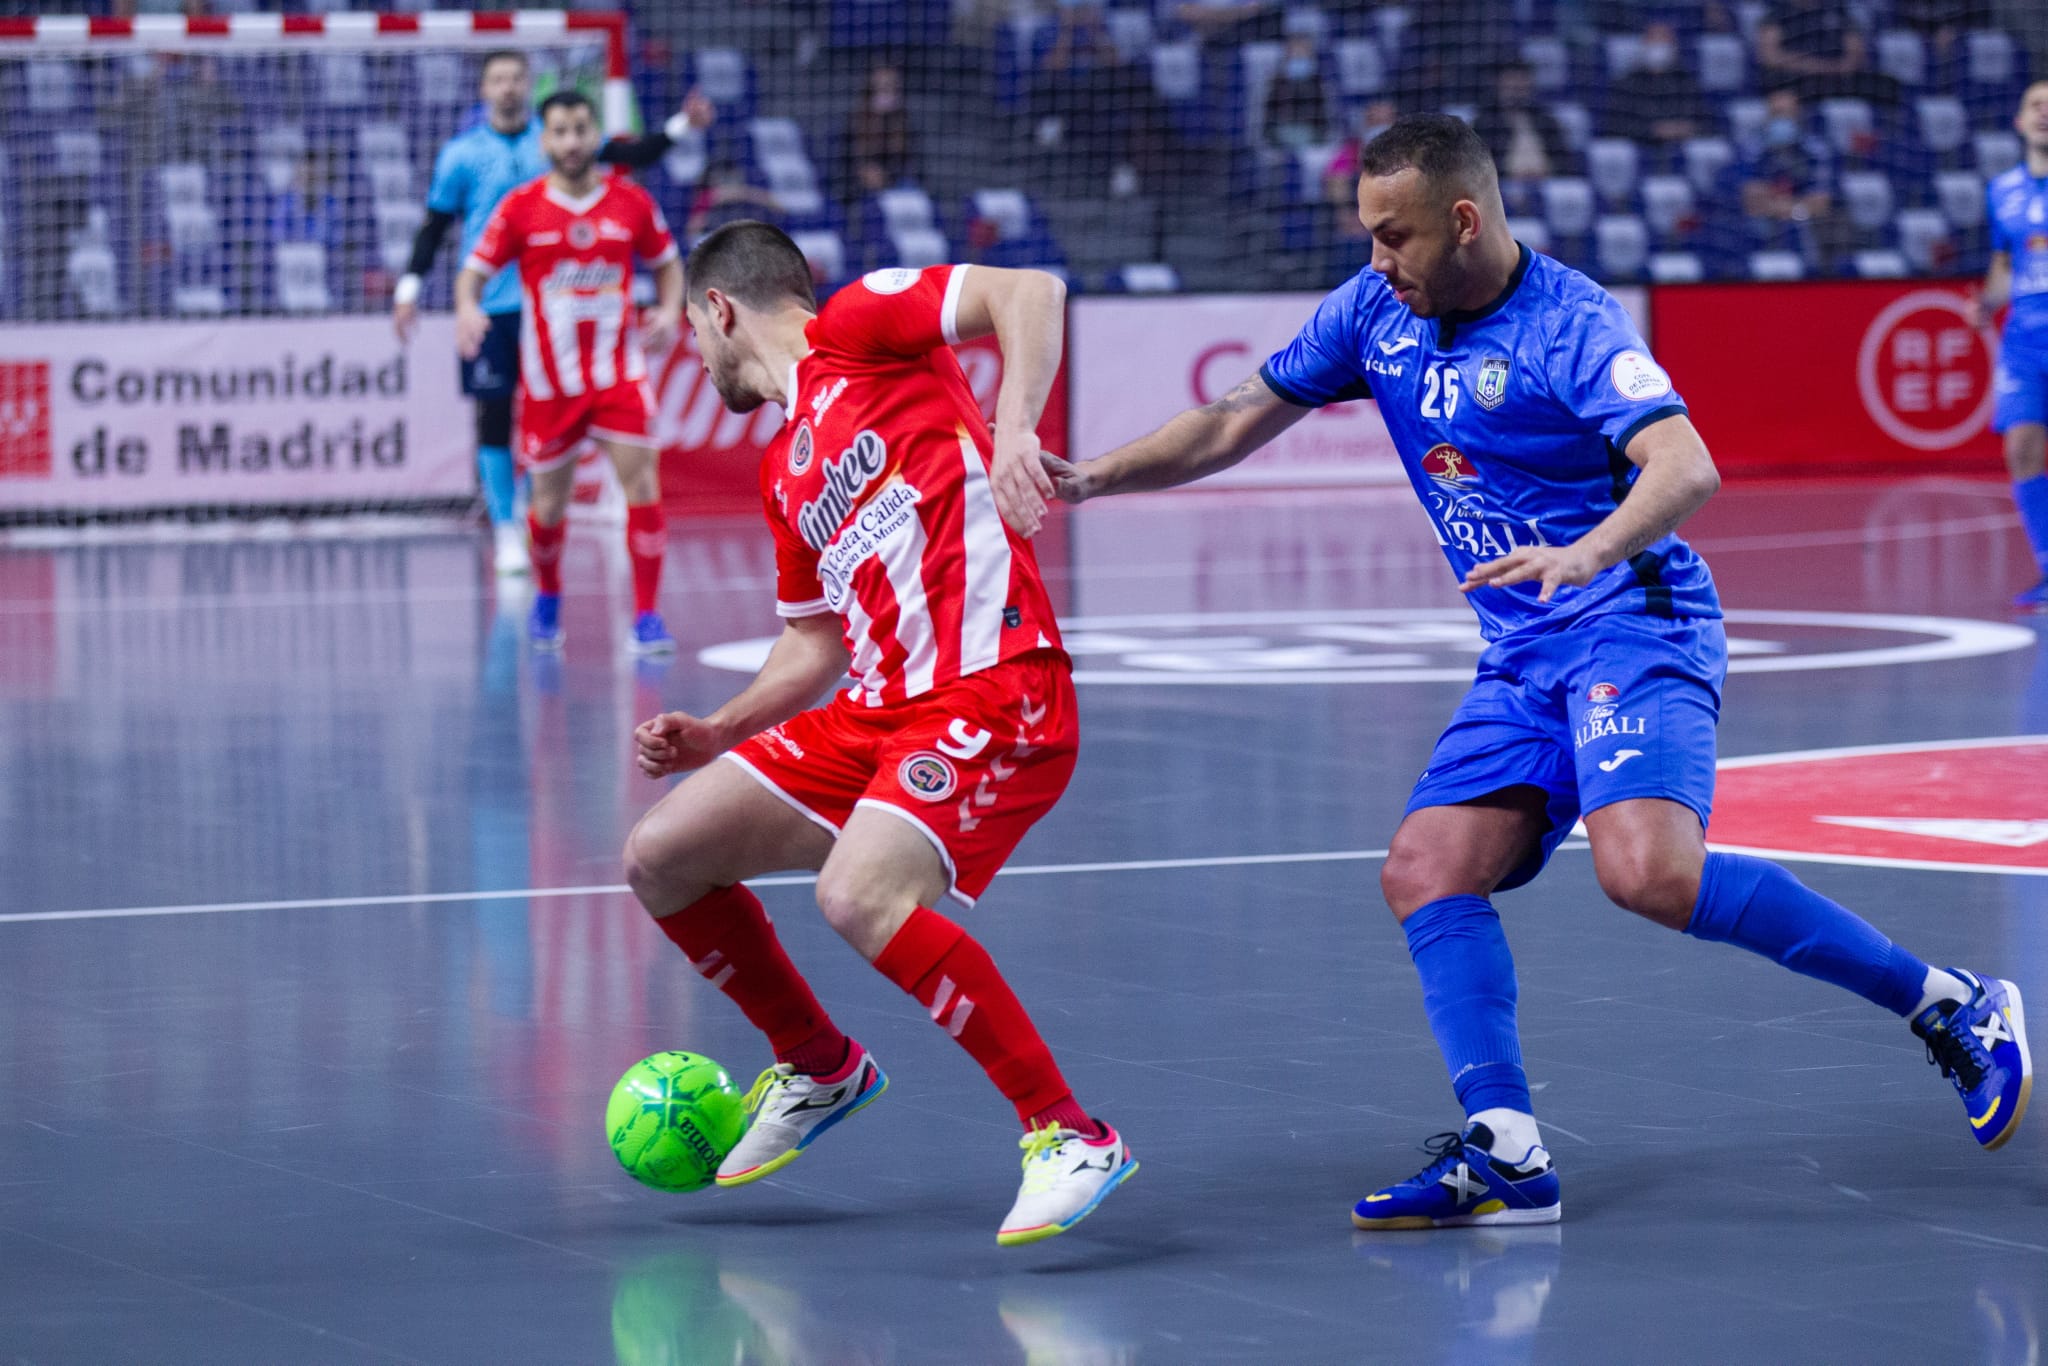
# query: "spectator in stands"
{"type": "Point", "coordinates": [1787, 182]}
{"type": "Point", "coordinates": [1450, 51]}
{"type": "Point", "coordinates": [1340, 177]}
{"type": "Point", "coordinates": [1941, 23]}
{"type": "Point", "coordinates": [1227, 23]}
{"type": "Point", "coordinates": [306, 210]}
{"type": "Point", "coordinates": [1657, 103]}
{"type": "Point", "coordinates": [1297, 108]}
{"type": "Point", "coordinates": [880, 145]}
{"type": "Point", "coordinates": [725, 195]}
{"type": "Point", "coordinates": [1097, 111]}
{"type": "Point", "coordinates": [1815, 49]}
{"type": "Point", "coordinates": [1527, 144]}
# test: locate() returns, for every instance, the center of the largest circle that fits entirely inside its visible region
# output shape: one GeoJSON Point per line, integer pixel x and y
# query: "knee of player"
{"type": "Point", "coordinates": [852, 904]}
{"type": "Point", "coordinates": [1637, 879]}
{"type": "Point", "coordinates": [645, 859]}
{"type": "Point", "coordinates": [1407, 880]}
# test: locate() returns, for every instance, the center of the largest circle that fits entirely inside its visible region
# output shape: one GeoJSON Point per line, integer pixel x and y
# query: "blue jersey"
{"type": "Point", "coordinates": [2018, 205]}
{"type": "Point", "coordinates": [1510, 422]}
{"type": "Point", "coordinates": [478, 167]}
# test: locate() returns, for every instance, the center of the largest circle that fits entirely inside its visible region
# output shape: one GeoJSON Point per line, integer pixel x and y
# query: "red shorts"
{"type": "Point", "coordinates": [550, 429]}
{"type": "Point", "coordinates": [972, 764]}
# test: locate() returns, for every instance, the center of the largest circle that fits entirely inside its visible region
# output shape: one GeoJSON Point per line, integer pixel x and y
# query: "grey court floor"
{"type": "Point", "coordinates": [315, 973]}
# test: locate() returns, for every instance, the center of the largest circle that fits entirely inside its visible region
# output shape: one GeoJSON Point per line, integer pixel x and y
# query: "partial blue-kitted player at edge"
{"type": "Point", "coordinates": [2019, 275]}
{"type": "Point", "coordinates": [1555, 459]}
{"type": "Point", "coordinates": [475, 169]}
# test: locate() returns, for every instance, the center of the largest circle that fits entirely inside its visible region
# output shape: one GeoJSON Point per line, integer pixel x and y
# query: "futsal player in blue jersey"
{"type": "Point", "coordinates": [1555, 459]}
{"type": "Point", "coordinates": [2019, 275]}
{"type": "Point", "coordinates": [475, 169]}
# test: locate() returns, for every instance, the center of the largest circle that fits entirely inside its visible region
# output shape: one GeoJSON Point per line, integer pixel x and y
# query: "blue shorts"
{"type": "Point", "coordinates": [1612, 708]}
{"type": "Point", "coordinates": [2021, 383]}
{"type": "Point", "coordinates": [495, 371]}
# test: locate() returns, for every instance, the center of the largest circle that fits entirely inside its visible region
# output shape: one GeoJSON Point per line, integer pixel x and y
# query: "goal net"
{"type": "Point", "coordinates": [205, 220]}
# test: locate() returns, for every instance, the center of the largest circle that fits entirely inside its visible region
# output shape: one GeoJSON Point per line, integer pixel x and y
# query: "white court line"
{"type": "Point", "coordinates": [619, 889]}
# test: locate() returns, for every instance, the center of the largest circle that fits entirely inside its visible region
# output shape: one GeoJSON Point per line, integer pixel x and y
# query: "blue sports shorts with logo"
{"type": "Point", "coordinates": [494, 373]}
{"type": "Point", "coordinates": [2021, 386]}
{"type": "Point", "coordinates": [1611, 708]}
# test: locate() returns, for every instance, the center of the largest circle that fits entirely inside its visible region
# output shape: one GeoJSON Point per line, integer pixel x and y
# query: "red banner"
{"type": "Point", "coordinates": [710, 457]}
{"type": "Point", "coordinates": [1832, 378]}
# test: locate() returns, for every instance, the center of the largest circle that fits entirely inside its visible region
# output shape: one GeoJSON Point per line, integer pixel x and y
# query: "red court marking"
{"type": "Point", "coordinates": [1969, 805]}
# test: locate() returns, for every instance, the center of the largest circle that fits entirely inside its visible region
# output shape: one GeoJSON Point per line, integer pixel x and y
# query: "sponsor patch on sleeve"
{"type": "Point", "coordinates": [1636, 376]}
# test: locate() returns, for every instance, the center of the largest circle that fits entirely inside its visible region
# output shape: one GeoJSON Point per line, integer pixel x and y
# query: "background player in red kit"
{"type": "Point", "coordinates": [958, 731]}
{"type": "Point", "coordinates": [574, 233]}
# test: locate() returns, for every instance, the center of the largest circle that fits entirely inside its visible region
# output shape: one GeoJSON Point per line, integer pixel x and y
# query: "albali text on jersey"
{"type": "Point", "coordinates": [577, 332]}
{"type": "Point", "coordinates": [1510, 421]}
{"type": "Point", "coordinates": [2018, 206]}
{"type": "Point", "coordinates": [878, 493]}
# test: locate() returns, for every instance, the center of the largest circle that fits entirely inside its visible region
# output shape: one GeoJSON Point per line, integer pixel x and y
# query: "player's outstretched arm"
{"type": "Point", "coordinates": [1191, 446]}
{"type": "Point", "coordinates": [405, 297]}
{"type": "Point", "coordinates": [1027, 312]}
{"type": "Point", "coordinates": [634, 153]}
{"type": "Point", "coordinates": [1996, 292]}
{"type": "Point", "coordinates": [806, 659]}
{"type": "Point", "coordinates": [666, 317]}
{"type": "Point", "coordinates": [471, 324]}
{"type": "Point", "coordinates": [1678, 476]}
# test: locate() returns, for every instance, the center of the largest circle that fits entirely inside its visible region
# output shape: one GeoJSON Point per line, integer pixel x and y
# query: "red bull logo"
{"type": "Point", "coordinates": [1602, 692]}
{"type": "Point", "coordinates": [1448, 467]}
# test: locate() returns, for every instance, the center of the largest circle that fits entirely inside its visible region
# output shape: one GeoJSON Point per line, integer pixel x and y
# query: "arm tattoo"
{"type": "Point", "coordinates": [1250, 394]}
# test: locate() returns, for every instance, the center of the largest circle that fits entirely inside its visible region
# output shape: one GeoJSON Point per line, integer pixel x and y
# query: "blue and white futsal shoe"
{"type": "Point", "coordinates": [544, 623]}
{"type": "Point", "coordinates": [650, 636]}
{"type": "Point", "coordinates": [1467, 1184]}
{"type": "Point", "coordinates": [1981, 1045]}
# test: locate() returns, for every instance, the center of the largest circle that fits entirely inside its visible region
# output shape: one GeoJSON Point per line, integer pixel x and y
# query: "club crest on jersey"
{"type": "Point", "coordinates": [927, 776]}
{"type": "Point", "coordinates": [800, 449]}
{"type": "Point", "coordinates": [857, 466]}
{"type": "Point", "coordinates": [1493, 382]}
{"type": "Point", "coordinates": [1450, 470]}
{"type": "Point", "coordinates": [582, 234]}
{"type": "Point", "coordinates": [1602, 692]}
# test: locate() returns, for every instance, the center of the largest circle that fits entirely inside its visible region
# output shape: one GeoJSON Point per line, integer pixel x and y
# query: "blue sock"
{"type": "Point", "coordinates": [1760, 907]}
{"type": "Point", "coordinates": [1468, 988]}
{"type": "Point", "coordinates": [2031, 497]}
{"type": "Point", "coordinates": [494, 469]}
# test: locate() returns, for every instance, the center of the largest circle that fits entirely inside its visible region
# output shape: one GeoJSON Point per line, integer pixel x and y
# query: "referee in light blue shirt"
{"type": "Point", "coordinates": [475, 169]}
{"type": "Point", "coordinates": [1556, 461]}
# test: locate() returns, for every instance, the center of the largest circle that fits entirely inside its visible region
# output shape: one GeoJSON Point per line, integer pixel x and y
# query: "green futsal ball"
{"type": "Point", "coordinates": [672, 1119]}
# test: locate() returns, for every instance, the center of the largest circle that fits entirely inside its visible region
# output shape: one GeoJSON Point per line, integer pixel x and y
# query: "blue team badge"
{"type": "Point", "coordinates": [1493, 382]}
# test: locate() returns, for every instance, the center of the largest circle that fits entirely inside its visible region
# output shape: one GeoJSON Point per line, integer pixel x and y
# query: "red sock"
{"type": "Point", "coordinates": [727, 937]}
{"type": "Point", "coordinates": [547, 552]}
{"type": "Point", "coordinates": [646, 541]}
{"type": "Point", "coordinates": [953, 977]}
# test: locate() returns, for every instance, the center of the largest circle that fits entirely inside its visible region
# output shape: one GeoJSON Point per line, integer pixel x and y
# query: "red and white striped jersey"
{"type": "Point", "coordinates": [577, 333]}
{"type": "Point", "coordinates": [878, 492]}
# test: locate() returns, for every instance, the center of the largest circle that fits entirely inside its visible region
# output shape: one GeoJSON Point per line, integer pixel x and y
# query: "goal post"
{"type": "Point", "coordinates": [206, 216]}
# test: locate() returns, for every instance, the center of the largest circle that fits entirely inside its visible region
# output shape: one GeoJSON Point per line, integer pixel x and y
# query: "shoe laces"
{"type": "Point", "coordinates": [1447, 1150]}
{"type": "Point", "coordinates": [766, 1085]}
{"type": "Point", "coordinates": [1040, 1147]}
{"type": "Point", "coordinates": [1958, 1053]}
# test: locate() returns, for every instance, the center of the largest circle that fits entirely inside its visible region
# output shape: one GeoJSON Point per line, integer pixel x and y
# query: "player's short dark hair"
{"type": "Point", "coordinates": [1442, 148]}
{"type": "Point", "coordinates": [504, 54]}
{"type": "Point", "coordinates": [756, 263]}
{"type": "Point", "coordinates": [566, 99]}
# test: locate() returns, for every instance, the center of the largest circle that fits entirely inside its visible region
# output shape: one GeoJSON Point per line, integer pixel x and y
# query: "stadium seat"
{"type": "Point", "coordinates": [1923, 237]}
{"type": "Point", "coordinates": [398, 221]}
{"type": "Point", "coordinates": [1668, 205]}
{"type": "Point", "coordinates": [1746, 116]}
{"type": "Point", "coordinates": [794, 183]}
{"type": "Point", "coordinates": [726, 79]}
{"type": "Point", "coordinates": [1902, 55]}
{"type": "Point", "coordinates": [1130, 32]}
{"type": "Point", "coordinates": [1677, 268]}
{"type": "Point", "coordinates": [1361, 70]}
{"type": "Point", "coordinates": [1621, 246]}
{"type": "Point", "coordinates": [919, 247]}
{"type": "Point", "coordinates": [79, 152]}
{"type": "Point", "coordinates": [302, 277]}
{"type": "Point", "coordinates": [1705, 160]}
{"type": "Point", "coordinates": [906, 209]}
{"type": "Point", "coordinates": [1148, 278]}
{"type": "Point", "coordinates": [382, 143]}
{"type": "Point", "coordinates": [390, 182]}
{"type": "Point", "coordinates": [439, 81]}
{"type": "Point", "coordinates": [1531, 232]}
{"type": "Point", "coordinates": [199, 301]}
{"type": "Point", "coordinates": [1880, 264]}
{"type": "Point", "coordinates": [344, 79]}
{"type": "Point", "coordinates": [1960, 197]}
{"type": "Point", "coordinates": [1549, 61]}
{"type": "Point", "coordinates": [1990, 57]}
{"type": "Point", "coordinates": [1257, 65]}
{"type": "Point", "coordinates": [1941, 122]}
{"type": "Point", "coordinates": [279, 150]}
{"type": "Point", "coordinates": [775, 137]}
{"type": "Point", "coordinates": [94, 283]}
{"type": "Point", "coordinates": [1008, 210]}
{"type": "Point", "coordinates": [1867, 197]}
{"type": "Point", "coordinates": [1177, 80]}
{"type": "Point", "coordinates": [52, 86]}
{"type": "Point", "coordinates": [1612, 165]}
{"type": "Point", "coordinates": [1575, 122]}
{"type": "Point", "coordinates": [826, 252]}
{"type": "Point", "coordinates": [1568, 206]}
{"type": "Point", "coordinates": [1851, 125]}
{"type": "Point", "coordinates": [1723, 63]}
{"type": "Point", "coordinates": [1998, 151]}
{"type": "Point", "coordinates": [1623, 53]}
{"type": "Point", "coordinates": [1776, 265]}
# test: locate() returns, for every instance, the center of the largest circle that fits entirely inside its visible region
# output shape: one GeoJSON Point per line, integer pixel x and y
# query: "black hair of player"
{"type": "Point", "coordinates": [566, 99]}
{"type": "Point", "coordinates": [753, 262]}
{"type": "Point", "coordinates": [504, 54]}
{"type": "Point", "coordinates": [1442, 148]}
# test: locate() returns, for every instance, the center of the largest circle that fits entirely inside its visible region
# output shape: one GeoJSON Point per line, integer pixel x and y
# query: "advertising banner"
{"type": "Point", "coordinates": [1858, 376]}
{"type": "Point", "coordinates": [269, 412]}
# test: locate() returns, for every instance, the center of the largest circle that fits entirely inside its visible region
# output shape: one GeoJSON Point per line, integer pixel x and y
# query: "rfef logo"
{"type": "Point", "coordinates": [24, 419]}
{"type": "Point", "coordinates": [1924, 373]}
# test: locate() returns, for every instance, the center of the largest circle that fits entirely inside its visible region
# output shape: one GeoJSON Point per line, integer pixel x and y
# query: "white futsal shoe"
{"type": "Point", "coordinates": [1065, 1177]}
{"type": "Point", "coordinates": [790, 1111]}
{"type": "Point", "coordinates": [509, 540]}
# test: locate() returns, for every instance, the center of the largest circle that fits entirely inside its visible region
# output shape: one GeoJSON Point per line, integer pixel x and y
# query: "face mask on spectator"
{"type": "Point", "coordinates": [1300, 68]}
{"type": "Point", "coordinates": [886, 101]}
{"type": "Point", "coordinates": [1659, 56]}
{"type": "Point", "coordinates": [1781, 132]}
